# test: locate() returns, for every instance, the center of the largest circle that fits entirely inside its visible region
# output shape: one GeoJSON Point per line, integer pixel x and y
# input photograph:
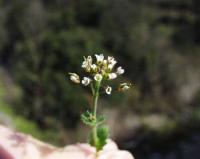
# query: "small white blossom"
{"type": "Point", "coordinates": [86, 81]}
{"type": "Point", "coordinates": [124, 86]}
{"type": "Point", "coordinates": [84, 64]}
{"type": "Point", "coordinates": [105, 62]}
{"type": "Point", "coordinates": [89, 59]}
{"type": "Point", "coordinates": [112, 75]}
{"type": "Point", "coordinates": [120, 70]}
{"type": "Point", "coordinates": [87, 63]}
{"type": "Point", "coordinates": [74, 77]}
{"type": "Point", "coordinates": [99, 58]}
{"type": "Point", "coordinates": [98, 77]}
{"type": "Point", "coordinates": [110, 67]}
{"type": "Point", "coordinates": [111, 60]}
{"type": "Point", "coordinates": [93, 67]}
{"type": "Point", "coordinates": [108, 90]}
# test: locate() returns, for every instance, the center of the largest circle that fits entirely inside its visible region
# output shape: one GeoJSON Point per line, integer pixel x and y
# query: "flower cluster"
{"type": "Point", "coordinates": [99, 69]}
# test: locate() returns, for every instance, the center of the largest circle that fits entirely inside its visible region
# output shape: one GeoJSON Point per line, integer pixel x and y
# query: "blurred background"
{"type": "Point", "coordinates": [156, 41]}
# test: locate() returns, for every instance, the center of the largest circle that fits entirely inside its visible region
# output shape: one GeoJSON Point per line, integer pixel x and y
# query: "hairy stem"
{"type": "Point", "coordinates": [96, 96]}
{"type": "Point", "coordinates": [95, 100]}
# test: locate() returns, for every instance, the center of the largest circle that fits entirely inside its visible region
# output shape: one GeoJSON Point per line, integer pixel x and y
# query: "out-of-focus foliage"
{"type": "Point", "coordinates": [157, 40]}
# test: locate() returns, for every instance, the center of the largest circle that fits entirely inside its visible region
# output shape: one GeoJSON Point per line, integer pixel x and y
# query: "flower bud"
{"type": "Point", "coordinates": [94, 67]}
{"type": "Point", "coordinates": [105, 62]}
{"type": "Point", "coordinates": [86, 81]}
{"type": "Point", "coordinates": [124, 86]}
{"type": "Point", "coordinates": [112, 76]}
{"type": "Point", "coordinates": [108, 90]}
{"type": "Point", "coordinates": [99, 58]}
{"type": "Point", "coordinates": [74, 77]}
{"type": "Point", "coordinates": [98, 77]}
{"type": "Point", "coordinates": [120, 70]}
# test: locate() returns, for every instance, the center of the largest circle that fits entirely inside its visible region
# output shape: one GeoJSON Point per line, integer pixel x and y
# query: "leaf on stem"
{"type": "Point", "coordinates": [88, 118]}
{"type": "Point", "coordinates": [100, 120]}
{"type": "Point", "coordinates": [102, 136]}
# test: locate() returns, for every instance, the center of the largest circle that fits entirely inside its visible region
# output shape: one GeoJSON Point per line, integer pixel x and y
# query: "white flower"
{"type": "Point", "coordinates": [110, 67]}
{"type": "Point", "coordinates": [84, 64]}
{"type": "Point", "coordinates": [112, 75]}
{"type": "Point", "coordinates": [99, 58]}
{"type": "Point", "coordinates": [94, 66]}
{"type": "Point", "coordinates": [86, 81]}
{"type": "Point", "coordinates": [74, 77]}
{"type": "Point", "coordinates": [108, 90]}
{"type": "Point", "coordinates": [120, 70]}
{"type": "Point", "coordinates": [89, 59]}
{"type": "Point", "coordinates": [98, 77]}
{"type": "Point", "coordinates": [87, 63]}
{"type": "Point", "coordinates": [105, 62]}
{"type": "Point", "coordinates": [124, 86]}
{"type": "Point", "coordinates": [111, 60]}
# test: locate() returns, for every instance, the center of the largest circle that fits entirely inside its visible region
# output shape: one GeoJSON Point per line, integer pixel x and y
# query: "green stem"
{"type": "Point", "coordinates": [95, 100]}
{"type": "Point", "coordinates": [96, 96]}
{"type": "Point", "coordinates": [94, 135]}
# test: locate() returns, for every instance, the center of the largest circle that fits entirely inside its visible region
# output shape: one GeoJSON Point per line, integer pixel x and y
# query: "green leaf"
{"type": "Point", "coordinates": [100, 120]}
{"type": "Point", "coordinates": [102, 135]}
{"type": "Point", "coordinates": [88, 118]}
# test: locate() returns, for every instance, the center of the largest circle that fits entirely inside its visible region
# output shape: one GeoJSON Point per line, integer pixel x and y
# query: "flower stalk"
{"type": "Point", "coordinates": [95, 102]}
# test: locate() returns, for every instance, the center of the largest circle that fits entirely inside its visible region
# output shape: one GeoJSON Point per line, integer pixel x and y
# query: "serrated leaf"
{"type": "Point", "coordinates": [100, 120]}
{"type": "Point", "coordinates": [102, 136]}
{"type": "Point", "coordinates": [88, 118]}
{"type": "Point", "coordinates": [102, 133]}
